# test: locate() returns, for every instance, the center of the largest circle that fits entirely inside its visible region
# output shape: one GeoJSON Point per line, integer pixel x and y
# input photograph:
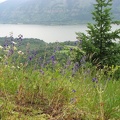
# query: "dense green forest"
{"type": "Point", "coordinates": [50, 11]}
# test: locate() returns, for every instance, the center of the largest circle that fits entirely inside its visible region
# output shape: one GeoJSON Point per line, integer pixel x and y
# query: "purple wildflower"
{"type": "Point", "coordinates": [20, 37]}
{"type": "Point", "coordinates": [73, 100]}
{"type": "Point", "coordinates": [10, 52]}
{"type": "Point", "coordinates": [71, 49]}
{"type": "Point", "coordinates": [53, 58]}
{"type": "Point", "coordinates": [83, 60]}
{"type": "Point", "coordinates": [42, 72]}
{"type": "Point", "coordinates": [30, 58]}
{"type": "Point", "coordinates": [95, 80]}
{"type": "Point", "coordinates": [76, 42]}
{"type": "Point", "coordinates": [80, 41]}
{"type": "Point", "coordinates": [73, 90]}
{"type": "Point", "coordinates": [75, 68]}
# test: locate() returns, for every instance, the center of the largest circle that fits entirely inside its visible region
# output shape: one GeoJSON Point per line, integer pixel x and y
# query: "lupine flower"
{"type": "Point", "coordinates": [30, 58]}
{"type": "Point", "coordinates": [73, 90]}
{"type": "Point", "coordinates": [83, 60]}
{"type": "Point", "coordinates": [69, 62]}
{"type": "Point", "coordinates": [10, 52]}
{"type": "Point", "coordinates": [34, 53]}
{"type": "Point", "coordinates": [42, 72]}
{"type": "Point", "coordinates": [20, 37]}
{"type": "Point", "coordinates": [75, 68]}
{"type": "Point", "coordinates": [71, 49]}
{"type": "Point", "coordinates": [95, 80]}
{"type": "Point", "coordinates": [53, 58]}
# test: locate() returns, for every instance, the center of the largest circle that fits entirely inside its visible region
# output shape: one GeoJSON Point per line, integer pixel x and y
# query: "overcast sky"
{"type": "Point", "coordinates": [1, 1]}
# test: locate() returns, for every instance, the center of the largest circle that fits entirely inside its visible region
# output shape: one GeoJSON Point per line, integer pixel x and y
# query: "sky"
{"type": "Point", "coordinates": [2, 1]}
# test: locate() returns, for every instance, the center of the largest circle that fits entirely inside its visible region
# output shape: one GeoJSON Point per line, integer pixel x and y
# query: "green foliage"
{"type": "Point", "coordinates": [50, 12]}
{"type": "Point", "coordinates": [29, 94]}
{"type": "Point", "coordinates": [100, 40]}
{"type": "Point", "coordinates": [53, 90]}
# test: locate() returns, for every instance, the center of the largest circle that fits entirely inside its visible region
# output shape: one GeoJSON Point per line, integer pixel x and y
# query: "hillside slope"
{"type": "Point", "coordinates": [50, 11]}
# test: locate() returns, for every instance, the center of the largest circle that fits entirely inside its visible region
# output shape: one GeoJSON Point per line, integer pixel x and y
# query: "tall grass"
{"type": "Point", "coordinates": [55, 92]}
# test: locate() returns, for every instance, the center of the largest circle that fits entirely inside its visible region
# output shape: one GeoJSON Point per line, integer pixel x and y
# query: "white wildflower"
{"type": "Point", "coordinates": [13, 67]}
{"type": "Point", "coordinates": [14, 48]}
{"type": "Point", "coordinates": [21, 64]}
{"type": "Point", "coordinates": [20, 53]}
{"type": "Point", "coordinates": [14, 42]}
{"type": "Point", "coordinates": [1, 47]}
{"type": "Point", "coordinates": [18, 67]}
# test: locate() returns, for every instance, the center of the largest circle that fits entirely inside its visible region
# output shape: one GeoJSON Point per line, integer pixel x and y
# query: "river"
{"type": "Point", "coordinates": [47, 33]}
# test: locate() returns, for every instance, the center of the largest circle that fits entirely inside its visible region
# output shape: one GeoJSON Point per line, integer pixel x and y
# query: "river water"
{"type": "Point", "coordinates": [47, 33]}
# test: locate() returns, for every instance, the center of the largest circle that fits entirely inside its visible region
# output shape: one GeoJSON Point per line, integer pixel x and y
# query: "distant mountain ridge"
{"type": "Point", "coordinates": [50, 11]}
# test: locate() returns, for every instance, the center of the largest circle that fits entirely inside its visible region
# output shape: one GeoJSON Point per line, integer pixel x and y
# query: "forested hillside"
{"type": "Point", "coordinates": [50, 11]}
{"type": "Point", "coordinates": [39, 47]}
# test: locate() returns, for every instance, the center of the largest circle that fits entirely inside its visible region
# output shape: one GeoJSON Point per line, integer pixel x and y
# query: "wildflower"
{"type": "Point", "coordinates": [20, 53]}
{"type": "Point", "coordinates": [71, 49]}
{"type": "Point", "coordinates": [18, 67]}
{"type": "Point", "coordinates": [1, 47]}
{"type": "Point", "coordinates": [30, 58]}
{"type": "Point", "coordinates": [14, 43]}
{"type": "Point", "coordinates": [26, 63]}
{"type": "Point", "coordinates": [13, 67]}
{"type": "Point", "coordinates": [14, 48]}
{"type": "Point", "coordinates": [10, 52]}
{"type": "Point", "coordinates": [83, 60]}
{"type": "Point", "coordinates": [95, 80]}
{"type": "Point", "coordinates": [76, 42]}
{"type": "Point", "coordinates": [21, 64]}
{"type": "Point", "coordinates": [42, 72]}
{"type": "Point", "coordinates": [53, 58]}
{"type": "Point", "coordinates": [73, 100]}
{"type": "Point", "coordinates": [73, 91]}
{"type": "Point", "coordinates": [75, 68]}
{"type": "Point", "coordinates": [34, 53]}
{"type": "Point", "coordinates": [68, 62]}
{"type": "Point", "coordinates": [20, 36]}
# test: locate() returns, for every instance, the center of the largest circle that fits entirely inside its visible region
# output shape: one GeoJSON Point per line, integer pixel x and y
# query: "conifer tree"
{"type": "Point", "coordinates": [100, 40]}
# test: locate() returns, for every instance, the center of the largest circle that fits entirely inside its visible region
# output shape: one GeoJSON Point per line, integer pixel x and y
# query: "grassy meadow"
{"type": "Point", "coordinates": [32, 88]}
